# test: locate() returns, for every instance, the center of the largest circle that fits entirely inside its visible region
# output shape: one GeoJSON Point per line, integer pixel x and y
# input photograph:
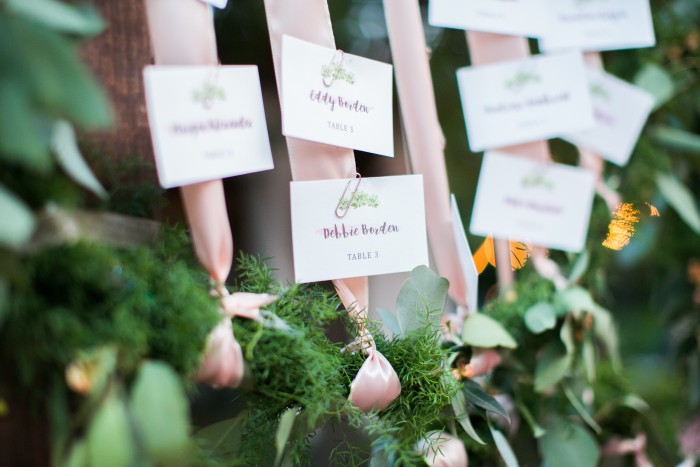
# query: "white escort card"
{"type": "Point", "coordinates": [545, 204]}
{"type": "Point", "coordinates": [515, 17]}
{"type": "Point", "coordinates": [206, 122]}
{"type": "Point", "coordinates": [466, 258]}
{"type": "Point", "coordinates": [341, 229]}
{"type": "Point", "coordinates": [596, 25]}
{"type": "Point", "coordinates": [221, 4]}
{"type": "Point", "coordinates": [621, 110]}
{"type": "Point", "coordinates": [525, 100]}
{"type": "Point", "coordinates": [333, 97]}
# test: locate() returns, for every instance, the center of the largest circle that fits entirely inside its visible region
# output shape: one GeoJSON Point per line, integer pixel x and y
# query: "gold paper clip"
{"type": "Point", "coordinates": [340, 209]}
{"type": "Point", "coordinates": [331, 71]}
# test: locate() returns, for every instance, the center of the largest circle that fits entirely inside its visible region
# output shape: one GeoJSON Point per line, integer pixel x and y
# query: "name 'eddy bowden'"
{"type": "Point", "coordinates": [325, 97]}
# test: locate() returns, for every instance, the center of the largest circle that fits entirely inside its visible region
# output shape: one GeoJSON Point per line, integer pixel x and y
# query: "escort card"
{"type": "Point", "coordinates": [596, 25]}
{"type": "Point", "coordinates": [332, 97]}
{"type": "Point", "coordinates": [525, 100]}
{"type": "Point", "coordinates": [515, 17]}
{"type": "Point", "coordinates": [545, 204]}
{"type": "Point", "coordinates": [621, 110]}
{"type": "Point", "coordinates": [206, 122]}
{"type": "Point", "coordinates": [221, 4]}
{"type": "Point", "coordinates": [466, 259]}
{"type": "Point", "coordinates": [381, 231]}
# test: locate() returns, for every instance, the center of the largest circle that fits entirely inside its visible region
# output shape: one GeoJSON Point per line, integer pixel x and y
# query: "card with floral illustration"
{"type": "Point", "coordinates": [337, 98]}
{"type": "Point", "coordinates": [621, 110]}
{"type": "Point", "coordinates": [545, 204]}
{"type": "Point", "coordinates": [514, 17]}
{"type": "Point", "coordinates": [597, 25]}
{"type": "Point", "coordinates": [359, 227]}
{"type": "Point", "coordinates": [525, 100]}
{"type": "Point", "coordinates": [206, 122]}
{"type": "Point", "coordinates": [466, 258]}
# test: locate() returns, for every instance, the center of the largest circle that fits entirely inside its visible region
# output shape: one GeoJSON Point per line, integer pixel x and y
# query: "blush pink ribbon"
{"type": "Point", "coordinates": [182, 33]}
{"type": "Point", "coordinates": [443, 450]}
{"type": "Point", "coordinates": [223, 364]}
{"type": "Point", "coordinates": [310, 20]}
{"type": "Point", "coordinates": [376, 384]}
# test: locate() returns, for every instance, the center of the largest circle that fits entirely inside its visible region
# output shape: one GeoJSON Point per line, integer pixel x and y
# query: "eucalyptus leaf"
{"type": "Point", "coordinates": [574, 298]}
{"type": "Point", "coordinates": [160, 411]}
{"type": "Point", "coordinates": [540, 317]}
{"type": "Point", "coordinates": [284, 429]}
{"type": "Point", "coordinates": [581, 409]}
{"type": "Point", "coordinates": [65, 148]}
{"type": "Point", "coordinates": [224, 437]}
{"type": "Point", "coordinates": [59, 16]}
{"type": "Point", "coordinates": [680, 198]}
{"type": "Point", "coordinates": [580, 267]}
{"type": "Point", "coordinates": [20, 141]}
{"type": "Point", "coordinates": [552, 365]}
{"type": "Point", "coordinates": [657, 81]}
{"type": "Point", "coordinates": [109, 439]}
{"type": "Point", "coordinates": [606, 332]}
{"type": "Point", "coordinates": [17, 220]}
{"type": "Point", "coordinates": [676, 138]}
{"type": "Point", "coordinates": [459, 405]}
{"type": "Point", "coordinates": [504, 448]}
{"type": "Point", "coordinates": [389, 321]}
{"type": "Point", "coordinates": [474, 393]}
{"type": "Point", "coordinates": [588, 357]}
{"type": "Point", "coordinates": [421, 300]}
{"type": "Point", "coordinates": [78, 455]}
{"type": "Point", "coordinates": [482, 331]}
{"type": "Point", "coordinates": [565, 442]}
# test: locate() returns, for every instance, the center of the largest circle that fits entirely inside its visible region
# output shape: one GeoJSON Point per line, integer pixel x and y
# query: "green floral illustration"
{"type": "Point", "coordinates": [521, 79]}
{"type": "Point", "coordinates": [207, 94]}
{"type": "Point", "coordinates": [335, 71]}
{"type": "Point", "coordinates": [361, 199]}
{"type": "Point", "coordinates": [532, 181]}
{"type": "Point", "coordinates": [599, 90]}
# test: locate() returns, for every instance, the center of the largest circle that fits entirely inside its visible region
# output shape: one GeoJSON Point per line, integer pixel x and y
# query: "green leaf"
{"type": "Point", "coordinates": [421, 300]}
{"type": "Point", "coordinates": [17, 221]}
{"type": "Point", "coordinates": [59, 16]}
{"type": "Point", "coordinates": [552, 365]}
{"type": "Point", "coordinates": [504, 448]}
{"type": "Point", "coordinates": [675, 138]}
{"type": "Point", "coordinates": [474, 393]}
{"type": "Point", "coordinates": [389, 321]}
{"type": "Point", "coordinates": [19, 139]}
{"type": "Point", "coordinates": [580, 267]}
{"type": "Point", "coordinates": [482, 331]}
{"type": "Point", "coordinates": [109, 439]}
{"type": "Point", "coordinates": [65, 148]}
{"type": "Point", "coordinates": [537, 430]}
{"type": "Point", "coordinates": [574, 298]}
{"type": "Point", "coordinates": [657, 81]}
{"type": "Point", "coordinates": [580, 409]}
{"type": "Point", "coordinates": [284, 429]}
{"type": "Point", "coordinates": [606, 332]}
{"type": "Point", "coordinates": [459, 405]}
{"type": "Point", "coordinates": [540, 317]}
{"type": "Point", "coordinates": [78, 456]}
{"type": "Point", "coordinates": [160, 411]}
{"type": "Point", "coordinates": [222, 438]}
{"type": "Point", "coordinates": [565, 442]}
{"type": "Point", "coordinates": [589, 358]}
{"type": "Point", "coordinates": [680, 199]}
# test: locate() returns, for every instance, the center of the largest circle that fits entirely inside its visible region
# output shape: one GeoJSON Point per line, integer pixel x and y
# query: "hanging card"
{"type": "Point", "coordinates": [545, 204]}
{"type": "Point", "coordinates": [206, 122]}
{"type": "Point", "coordinates": [621, 110]}
{"type": "Point", "coordinates": [333, 97]}
{"type": "Point", "coordinates": [514, 17]}
{"type": "Point", "coordinates": [525, 100]}
{"type": "Point", "coordinates": [382, 229]}
{"type": "Point", "coordinates": [597, 25]}
{"type": "Point", "coordinates": [466, 259]}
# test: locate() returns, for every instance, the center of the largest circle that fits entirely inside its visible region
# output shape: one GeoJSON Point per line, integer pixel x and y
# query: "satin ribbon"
{"type": "Point", "coordinates": [182, 33]}
{"type": "Point", "coordinates": [223, 364]}
{"type": "Point", "coordinates": [310, 20]}
{"type": "Point", "coordinates": [426, 142]}
{"type": "Point", "coordinates": [443, 450]}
